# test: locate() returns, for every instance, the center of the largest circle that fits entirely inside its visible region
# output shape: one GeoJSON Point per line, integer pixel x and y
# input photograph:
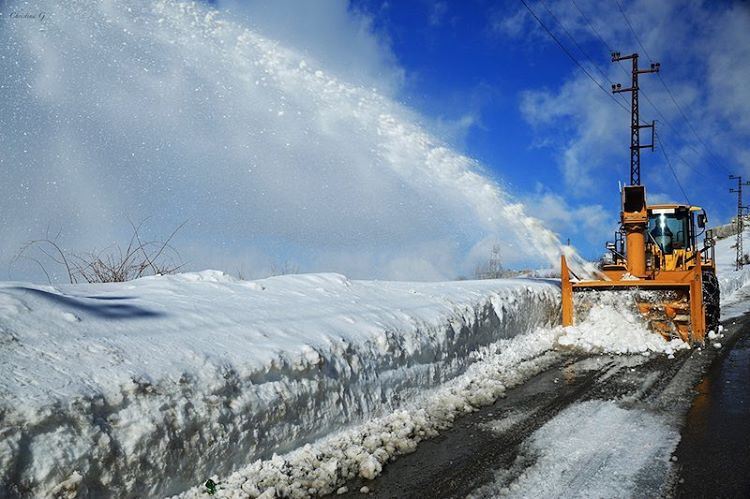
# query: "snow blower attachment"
{"type": "Point", "coordinates": [674, 282]}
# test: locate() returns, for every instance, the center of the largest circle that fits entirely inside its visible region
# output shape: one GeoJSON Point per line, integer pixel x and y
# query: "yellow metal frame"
{"type": "Point", "coordinates": [690, 281]}
{"type": "Point", "coordinates": [681, 313]}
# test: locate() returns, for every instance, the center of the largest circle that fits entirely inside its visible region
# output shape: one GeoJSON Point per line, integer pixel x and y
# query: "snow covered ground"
{"type": "Point", "coordinates": [147, 387]}
{"type": "Point", "coordinates": [591, 449]}
{"type": "Point", "coordinates": [152, 386]}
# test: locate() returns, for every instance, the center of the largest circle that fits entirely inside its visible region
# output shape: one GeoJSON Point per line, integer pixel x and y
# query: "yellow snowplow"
{"type": "Point", "coordinates": [656, 254]}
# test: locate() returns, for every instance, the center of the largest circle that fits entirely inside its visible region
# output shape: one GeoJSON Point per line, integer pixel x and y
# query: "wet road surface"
{"type": "Point", "coordinates": [469, 455]}
{"type": "Point", "coordinates": [714, 452]}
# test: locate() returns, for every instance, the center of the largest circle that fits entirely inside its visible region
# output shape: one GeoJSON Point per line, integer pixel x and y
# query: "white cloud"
{"type": "Point", "coordinates": [512, 25]}
{"type": "Point", "coordinates": [597, 128]}
{"type": "Point", "coordinates": [660, 198]}
{"type": "Point", "coordinates": [727, 53]}
{"type": "Point", "coordinates": [438, 10]}
{"type": "Point", "coordinates": [590, 223]}
{"type": "Point", "coordinates": [703, 49]}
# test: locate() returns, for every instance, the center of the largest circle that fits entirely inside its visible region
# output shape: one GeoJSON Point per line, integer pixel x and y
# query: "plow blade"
{"type": "Point", "coordinates": [672, 304]}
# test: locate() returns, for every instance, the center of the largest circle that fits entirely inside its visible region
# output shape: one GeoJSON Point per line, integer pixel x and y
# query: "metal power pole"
{"type": "Point", "coordinates": [739, 221]}
{"type": "Point", "coordinates": [635, 123]}
{"type": "Point", "coordinates": [496, 265]}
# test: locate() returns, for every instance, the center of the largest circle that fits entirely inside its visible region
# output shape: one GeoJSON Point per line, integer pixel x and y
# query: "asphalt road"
{"type": "Point", "coordinates": [714, 452]}
{"type": "Point", "coordinates": [468, 456]}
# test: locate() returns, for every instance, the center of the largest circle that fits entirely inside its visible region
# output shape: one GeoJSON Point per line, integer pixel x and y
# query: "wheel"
{"type": "Point", "coordinates": [712, 300]}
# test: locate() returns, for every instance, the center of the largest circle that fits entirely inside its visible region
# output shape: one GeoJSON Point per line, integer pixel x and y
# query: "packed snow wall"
{"type": "Point", "coordinates": [731, 281]}
{"type": "Point", "coordinates": [148, 387]}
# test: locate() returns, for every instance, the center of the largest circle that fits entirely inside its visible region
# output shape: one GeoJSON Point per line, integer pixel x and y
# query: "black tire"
{"type": "Point", "coordinates": [712, 300]}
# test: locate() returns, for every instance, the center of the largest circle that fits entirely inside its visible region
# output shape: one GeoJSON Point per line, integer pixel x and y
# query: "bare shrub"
{"type": "Point", "coordinates": [115, 263]}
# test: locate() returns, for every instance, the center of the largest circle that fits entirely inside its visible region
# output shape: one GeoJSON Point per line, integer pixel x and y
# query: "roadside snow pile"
{"type": "Point", "coordinates": [732, 283]}
{"type": "Point", "coordinates": [147, 387]}
{"type": "Point", "coordinates": [326, 465]}
{"type": "Point", "coordinates": [592, 449]}
{"type": "Point", "coordinates": [613, 326]}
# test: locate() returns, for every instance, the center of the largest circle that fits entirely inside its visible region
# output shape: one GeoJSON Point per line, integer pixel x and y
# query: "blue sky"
{"type": "Point", "coordinates": [472, 66]}
{"type": "Point", "coordinates": [462, 70]}
{"type": "Point", "coordinates": [357, 136]}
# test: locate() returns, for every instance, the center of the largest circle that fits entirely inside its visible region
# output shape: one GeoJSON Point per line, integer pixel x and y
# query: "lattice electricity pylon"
{"type": "Point", "coordinates": [635, 123]}
{"type": "Point", "coordinates": [739, 222]}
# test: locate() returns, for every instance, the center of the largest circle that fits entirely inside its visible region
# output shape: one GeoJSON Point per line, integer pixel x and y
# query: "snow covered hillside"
{"type": "Point", "coordinates": [147, 387]}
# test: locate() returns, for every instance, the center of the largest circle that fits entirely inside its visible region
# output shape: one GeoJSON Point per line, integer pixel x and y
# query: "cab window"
{"type": "Point", "coordinates": [669, 230]}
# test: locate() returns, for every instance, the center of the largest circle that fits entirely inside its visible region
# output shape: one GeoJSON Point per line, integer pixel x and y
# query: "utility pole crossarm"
{"type": "Point", "coordinates": [616, 57]}
{"type": "Point", "coordinates": [654, 69]}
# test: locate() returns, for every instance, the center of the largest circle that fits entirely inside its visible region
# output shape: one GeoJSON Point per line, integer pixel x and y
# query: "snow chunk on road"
{"type": "Point", "coordinates": [614, 326]}
{"type": "Point", "coordinates": [591, 449]}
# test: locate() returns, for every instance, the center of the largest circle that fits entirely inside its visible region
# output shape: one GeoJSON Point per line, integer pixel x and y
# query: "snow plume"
{"type": "Point", "coordinates": [134, 109]}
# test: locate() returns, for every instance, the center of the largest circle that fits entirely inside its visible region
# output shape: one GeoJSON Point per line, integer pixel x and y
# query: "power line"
{"type": "Point", "coordinates": [598, 84]}
{"type": "Point", "coordinates": [630, 27]}
{"type": "Point", "coordinates": [625, 71]}
{"type": "Point", "coordinates": [646, 95]}
{"type": "Point", "coordinates": [662, 148]}
{"type": "Point", "coordinates": [604, 42]}
{"type": "Point", "coordinates": [674, 129]}
{"type": "Point", "coordinates": [571, 56]}
{"type": "Point", "coordinates": [580, 49]}
{"type": "Point", "coordinates": [690, 124]}
{"type": "Point", "coordinates": [572, 39]}
{"type": "Point", "coordinates": [674, 101]}
{"type": "Point", "coordinates": [681, 159]}
{"type": "Point", "coordinates": [671, 168]}
{"type": "Point", "coordinates": [669, 92]}
{"type": "Point", "coordinates": [591, 25]}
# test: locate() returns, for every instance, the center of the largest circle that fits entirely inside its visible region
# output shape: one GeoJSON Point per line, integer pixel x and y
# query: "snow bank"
{"type": "Point", "coordinates": [592, 449]}
{"type": "Point", "coordinates": [321, 468]}
{"type": "Point", "coordinates": [148, 387]}
{"type": "Point", "coordinates": [732, 283]}
{"type": "Point", "coordinates": [613, 325]}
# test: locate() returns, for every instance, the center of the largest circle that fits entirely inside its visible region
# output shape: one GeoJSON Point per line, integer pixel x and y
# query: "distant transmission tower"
{"type": "Point", "coordinates": [495, 269]}
{"type": "Point", "coordinates": [740, 259]}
